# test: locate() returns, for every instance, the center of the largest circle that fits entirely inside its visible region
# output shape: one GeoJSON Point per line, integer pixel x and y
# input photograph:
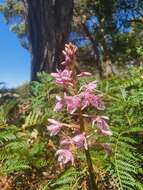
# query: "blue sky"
{"type": "Point", "coordinates": [14, 60]}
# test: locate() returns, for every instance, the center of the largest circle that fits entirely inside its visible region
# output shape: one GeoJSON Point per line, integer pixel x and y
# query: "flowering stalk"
{"type": "Point", "coordinates": [93, 185]}
{"type": "Point", "coordinates": [77, 104]}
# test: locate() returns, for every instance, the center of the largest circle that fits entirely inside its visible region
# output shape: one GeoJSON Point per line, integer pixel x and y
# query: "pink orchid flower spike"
{"type": "Point", "coordinates": [69, 53]}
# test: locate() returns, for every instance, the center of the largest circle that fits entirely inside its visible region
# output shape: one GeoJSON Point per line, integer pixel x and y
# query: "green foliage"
{"type": "Point", "coordinates": [11, 147]}
{"type": "Point", "coordinates": [23, 91]}
{"type": "Point", "coordinates": [126, 161]}
{"type": "Point", "coordinates": [24, 143]}
{"type": "Point", "coordinates": [124, 96]}
{"type": "Point", "coordinates": [23, 147]}
{"type": "Point", "coordinates": [21, 150]}
{"type": "Point", "coordinates": [5, 110]}
{"type": "Point", "coordinates": [124, 107]}
{"type": "Point", "coordinates": [70, 179]}
{"type": "Point", "coordinates": [41, 91]}
{"type": "Point", "coordinates": [128, 47]}
{"type": "Point", "coordinates": [34, 119]}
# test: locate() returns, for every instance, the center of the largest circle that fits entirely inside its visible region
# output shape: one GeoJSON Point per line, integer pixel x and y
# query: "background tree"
{"type": "Point", "coordinates": [106, 24]}
{"type": "Point", "coordinates": [47, 26]}
{"type": "Point", "coordinates": [103, 29]}
{"type": "Point", "coordinates": [14, 16]}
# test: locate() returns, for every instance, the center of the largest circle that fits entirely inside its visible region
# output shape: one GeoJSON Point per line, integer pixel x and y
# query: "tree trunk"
{"type": "Point", "coordinates": [95, 49]}
{"type": "Point", "coordinates": [48, 25]}
{"type": "Point", "coordinates": [107, 65]}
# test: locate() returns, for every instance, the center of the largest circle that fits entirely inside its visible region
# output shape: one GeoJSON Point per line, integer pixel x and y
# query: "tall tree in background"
{"type": "Point", "coordinates": [48, 26]}
{"type": "Point", "coordinates": [107, 25]}
{"type": "Point", "coordinates": [110, 22]}
{"type": "Point", "coordinates": [99, 31]}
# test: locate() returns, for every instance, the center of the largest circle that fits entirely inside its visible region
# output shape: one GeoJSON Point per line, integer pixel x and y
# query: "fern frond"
{"type": "Point", "coordinates": [125, 163]}
{"type": "Point", "coordinates": [33, 119]}
{"type": "Point", "coordinates": [14, 166]}
{"type": "Point", "coordinates": [5, 110]}
{"type": "Point", "coordinates": [6, 136]}
{"type": "Point", "coordinates": [69, 180]}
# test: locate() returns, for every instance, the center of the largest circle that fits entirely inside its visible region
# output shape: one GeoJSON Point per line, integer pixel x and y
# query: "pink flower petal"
{"type": "Point", "coordinates": [64, 78]}
{"type": "Point", "coordinates": [72, 103]}
{"type": "Point", "coordinates": [59, 104]}
{"type": "Point", "coordinates": [80, 141]}
{"type": "Point", "coordinates": [97, 102]}
{"type": "Point", "coordinates": [65, 156]}
{"type": "Point", "coordinates": [106, 132]}
{"type": "Point", "coordinates": [102, 125]}
{"type": "Point", "coordinates": [91, 86]}
{"type": "Point", "coordinates": [54, 128]}
{"type": "Point", "coordinates": [90, 99]}
{"type": "Point", "coordinates": [69, 54]}
{"type": "Point", "coordinates": [84, 74]}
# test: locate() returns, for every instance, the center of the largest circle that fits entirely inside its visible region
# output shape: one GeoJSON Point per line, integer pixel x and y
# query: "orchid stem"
{"type": "Point", "coordinates": [92, 184]}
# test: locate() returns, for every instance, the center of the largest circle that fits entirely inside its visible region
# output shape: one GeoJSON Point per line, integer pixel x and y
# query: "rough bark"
{"type": "Point", "coordinates": [48, 26]}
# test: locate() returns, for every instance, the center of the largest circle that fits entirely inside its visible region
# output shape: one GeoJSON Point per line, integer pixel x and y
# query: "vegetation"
{"type": "Point", "coordinates": [28, 152]}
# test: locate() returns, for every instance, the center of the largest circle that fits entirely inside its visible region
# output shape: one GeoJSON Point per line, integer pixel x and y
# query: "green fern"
{"type": "Point", "coordinates": [69, 180]}
{"type": "Point", "coordinates": [14, 165]}
{"type": "Point", "coordinates": [126, 162]}
{"type": "Point", "coordinates": [34, 119]}
{"type": "Point", "coordinates": [5, 109]}
{"type": "Point", "coordinates": [124, 97]}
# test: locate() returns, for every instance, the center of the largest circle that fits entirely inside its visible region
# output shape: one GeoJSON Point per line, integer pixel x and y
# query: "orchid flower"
{"type": "Point", "coordinates": [90, 99]}
{"type": "Point", "coordinates": [102, 125]}
{"type": "Point", "coordinates": [63, 78]}
{"type": "Point", "coordinates": [69, 54]}
{"type": "Point", "coordinates": [84, 74]}
{"type": "Point", "coordinates": [90, 87]}
{"type": "Point", "coordinates": [80, 141]}
{"type": "Point", "coordinates": [65, 156]}
{"type": "Point", "coordinates": [54, 128]}
{"type": "Point", "coordinates": [59, 104]}
{"type": "Point", "coordinates": [76, 100]}
{"type": "Point", "coordinates": [72, 103]}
